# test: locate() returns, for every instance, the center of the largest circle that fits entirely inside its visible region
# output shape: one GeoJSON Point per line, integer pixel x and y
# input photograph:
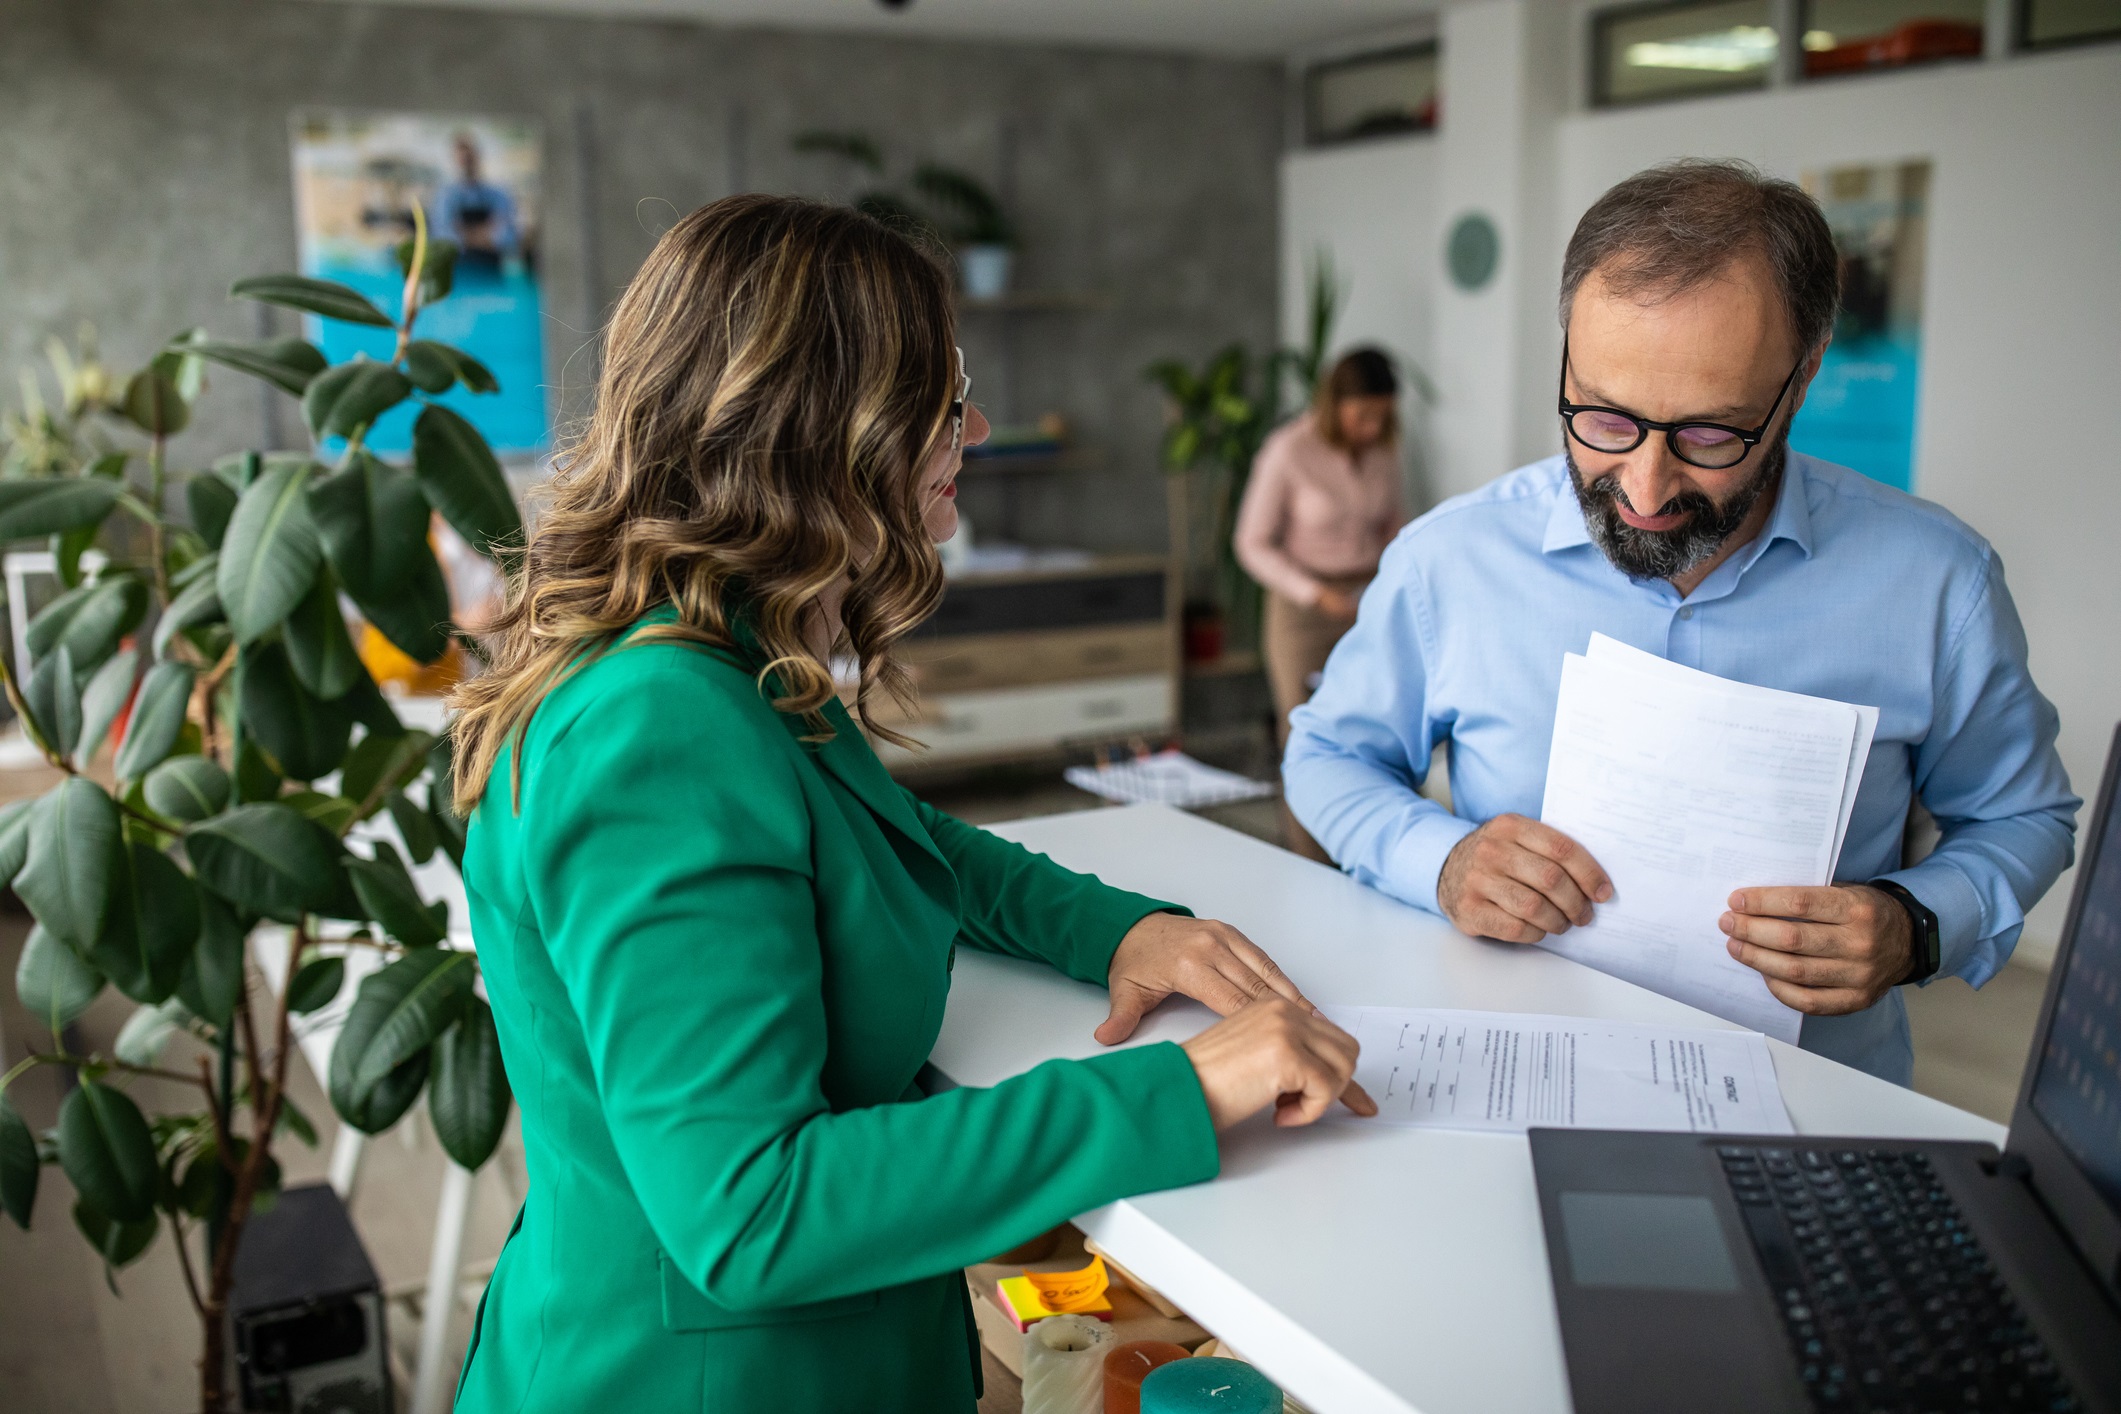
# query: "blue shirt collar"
{"type": "Point", "coordinates": [1791, 519]}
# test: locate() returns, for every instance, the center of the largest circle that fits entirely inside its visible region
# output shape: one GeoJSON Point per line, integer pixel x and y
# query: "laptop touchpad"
{"type": "Point", "coordinates": [1646, 1241]}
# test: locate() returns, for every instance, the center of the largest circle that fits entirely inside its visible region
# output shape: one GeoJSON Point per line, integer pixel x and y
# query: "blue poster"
{"type": "Point", "coordinates": [477, 180]}
{"type": "Point", "coordinates": [1861, 409]}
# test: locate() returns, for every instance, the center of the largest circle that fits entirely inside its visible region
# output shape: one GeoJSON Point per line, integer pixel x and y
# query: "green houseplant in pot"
{"type": "Point", "coordinates": [950, 205]}
{"type": "Point", "coordinates": [255, 763]}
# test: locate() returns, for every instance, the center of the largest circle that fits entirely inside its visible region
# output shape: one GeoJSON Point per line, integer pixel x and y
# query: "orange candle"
{"type": "Point", "coordinates": [1128, 1365]}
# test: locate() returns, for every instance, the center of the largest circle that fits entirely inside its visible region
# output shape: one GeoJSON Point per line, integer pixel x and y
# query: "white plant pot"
{"type": "Point", "coordinates": [985, 270]}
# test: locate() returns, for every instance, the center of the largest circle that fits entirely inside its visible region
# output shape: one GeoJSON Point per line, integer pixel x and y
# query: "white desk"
{"type": "Point", "coordinates": [1363, 1268]}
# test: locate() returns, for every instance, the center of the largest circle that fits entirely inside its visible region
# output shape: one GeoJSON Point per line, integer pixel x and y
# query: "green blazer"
{"type": "Point", "coordinates": [718, 957]}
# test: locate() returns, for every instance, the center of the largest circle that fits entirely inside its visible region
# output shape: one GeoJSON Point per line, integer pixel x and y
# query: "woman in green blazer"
{"type": "Point", "coordinates": [718, 937]}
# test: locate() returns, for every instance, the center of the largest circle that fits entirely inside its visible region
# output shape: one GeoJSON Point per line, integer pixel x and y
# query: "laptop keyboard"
{"type": "Point", "coordinates": [1888, 1299]}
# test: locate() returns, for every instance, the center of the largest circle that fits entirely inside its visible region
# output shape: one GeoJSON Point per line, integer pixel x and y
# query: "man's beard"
{"type": "Point", "coordinates": [1666, 554]}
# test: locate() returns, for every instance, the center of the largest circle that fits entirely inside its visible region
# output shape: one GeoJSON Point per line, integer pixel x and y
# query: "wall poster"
{"type": "Point", "coordinates": [479, 181]}
{"type": "Point", "coordinates": [1861, 409]}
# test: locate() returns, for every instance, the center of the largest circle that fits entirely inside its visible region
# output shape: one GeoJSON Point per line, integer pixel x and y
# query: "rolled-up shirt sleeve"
{"type": "Point", "coordinates": [1989, 772]}
{"type": "Point", "coordinates": [1359, 750]}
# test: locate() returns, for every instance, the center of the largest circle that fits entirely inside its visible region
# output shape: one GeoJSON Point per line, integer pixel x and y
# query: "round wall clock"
{"type": "Point", "coordinates": [1473, 251]}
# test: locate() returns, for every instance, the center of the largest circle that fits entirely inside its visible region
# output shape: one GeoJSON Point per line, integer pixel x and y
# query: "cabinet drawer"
{"type": "Point", "coordinates": [1074, 602]}
{"type": "Point", "coordinates": [994, 723]}
{"type": "Point", "coordinates": [969, 662]}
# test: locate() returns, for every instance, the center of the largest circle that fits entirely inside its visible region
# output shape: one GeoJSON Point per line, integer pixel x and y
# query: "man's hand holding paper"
{"type": "Point", "coordinates": [1823, 951]}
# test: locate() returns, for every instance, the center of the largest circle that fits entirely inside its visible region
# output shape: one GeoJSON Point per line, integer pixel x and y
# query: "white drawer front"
{"type": "Point", "coordinates": [1018, 718]}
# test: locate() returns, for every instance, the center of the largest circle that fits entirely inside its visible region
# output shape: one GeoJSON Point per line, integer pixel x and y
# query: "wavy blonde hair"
{"type": "Point", "coordinates": [775, 379]}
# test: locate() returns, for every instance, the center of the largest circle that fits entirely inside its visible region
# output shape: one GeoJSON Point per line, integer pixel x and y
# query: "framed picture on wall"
{"type": "Point", "coordinates": [1860, 410]}
{"type": "Point", "coordinates": [479, 182]}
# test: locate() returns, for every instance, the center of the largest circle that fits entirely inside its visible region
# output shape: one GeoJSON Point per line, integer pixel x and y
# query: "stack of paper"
{"type": "Point", "coordinates": [1166, 778]}
{"type": "Point", "coordinates": [1685, 786]}
{"type": "Point", "coordinates": [1502, 1071]}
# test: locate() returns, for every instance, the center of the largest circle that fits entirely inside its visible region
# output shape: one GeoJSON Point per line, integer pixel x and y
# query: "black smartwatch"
{"type": "Point", "coordinates": [1928, 944]}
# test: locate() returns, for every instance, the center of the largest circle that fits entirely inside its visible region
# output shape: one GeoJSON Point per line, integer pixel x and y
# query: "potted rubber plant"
{"type": "Point", "coordinates": [252, 760]}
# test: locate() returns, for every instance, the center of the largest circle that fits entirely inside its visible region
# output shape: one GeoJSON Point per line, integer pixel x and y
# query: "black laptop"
{"type": "Point", "coordinates": [1719, 1273]}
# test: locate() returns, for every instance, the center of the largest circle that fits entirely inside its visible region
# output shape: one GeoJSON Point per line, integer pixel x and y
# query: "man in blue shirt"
{"type": "Point", "coordinates": [1697, 299]}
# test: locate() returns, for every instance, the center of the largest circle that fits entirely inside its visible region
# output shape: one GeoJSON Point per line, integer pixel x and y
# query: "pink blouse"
{"type": "Point", "coordinates": [1312, 510]}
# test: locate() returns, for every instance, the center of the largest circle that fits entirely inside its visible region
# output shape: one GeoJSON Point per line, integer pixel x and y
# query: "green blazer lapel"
{"type": "Point", "coordinates": [849, 757]}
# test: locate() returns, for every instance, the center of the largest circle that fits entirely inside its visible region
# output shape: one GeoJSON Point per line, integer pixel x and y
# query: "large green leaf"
{"type": "Point", "coordinates": [31, 508]}
{"type": "Point", "coordinates": [14, 838]}
{"type": "Point", "coordinates": [90, 620]}
{"type": "Point", "coordinates": [415, 828]}
{"type": "Point", "coordinates": [158, 717]}
{"type": "Point", "coordinates": [213, 975]}
{"type": "Point", "coordinates": [373, 519]}
{"type": "Point", "coordinates": [211, 501]}
{"type": "Point", "coordinates": [343, 400]}
{"type": "Point", "coordinates": [117, 1243]}
{"type": "Point", "coordinates": [155, 404]}
{"type": "Point", "coordinates": [318, 646]}
{"type": "Point", "coordinates": [323, 297]}
{"type": "Point", "coordinates": [53, 695]}
{"type": "Point", "coordinates": [288, 364]}
{"type": "Point", "coordinates": [270, 555]}
{"type": "Point", "coordinates": [267, 859]}
{"type": "Point", "coordinates": [469, 1098]}
{"type": "Point", "coordinates": [389, 897]}
{"type": "Point", "coordinates": [381, 763]}
{"type": "Point", "coordinates": [198, 603]}
{"type": "Point", "coordinates": [334, 812]}
{"type": "Point", "coordinates": [145, 1033]}
{"type": "Point", "coordinates": [316, 984]}
{"type": "Point", "coordinates": [104, 698]}
{"type": "Point", "coordinates": [52, 982]}
{"type": "Point", "coordinates": [435, 367]}
{"type": "Point", "coordinates": [186, 789]}
{"type": "Point", "coordinates": [396, 1016]}
{"type": "Point", "coordinates": [458, 472]}
{"type": "Point", "coordinates": [305, 735]}
{"type": "Point", "coordinates": [19, 1168]}
{"type": "Point", "coordinates": [76, 863]}
{"type": "Point", "coordinates": [148, 938]}
{"type": "Point", "coordinates": [107, 1150]}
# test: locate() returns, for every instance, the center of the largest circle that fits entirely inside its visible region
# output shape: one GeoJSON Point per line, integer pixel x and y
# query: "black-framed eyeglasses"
{"type": "Point", "coordinates": [1709, 445]}
{"type": "Point", "coordinates": [957, 405]}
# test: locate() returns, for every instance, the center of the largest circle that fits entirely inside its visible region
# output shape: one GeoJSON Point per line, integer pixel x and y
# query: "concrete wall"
{"type": "Point", "coordinates": [146, 167]}
{"type": "Point", "coordinates": [2019, 418]}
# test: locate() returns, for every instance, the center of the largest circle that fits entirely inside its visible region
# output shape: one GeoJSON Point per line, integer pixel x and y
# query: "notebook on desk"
{"type": "Point", "coordinates": [1773, 1273]}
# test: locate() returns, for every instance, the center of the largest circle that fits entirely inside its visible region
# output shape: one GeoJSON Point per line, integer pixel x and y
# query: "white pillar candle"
{"type": "Point", "coordinates": [1064, 1365]}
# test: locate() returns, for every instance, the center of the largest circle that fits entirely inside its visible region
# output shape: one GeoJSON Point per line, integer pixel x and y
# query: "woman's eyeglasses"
{"type": "Point", "coordinates": [1708, 445]}
{"type": "Point", "coordinates": [957, 406]}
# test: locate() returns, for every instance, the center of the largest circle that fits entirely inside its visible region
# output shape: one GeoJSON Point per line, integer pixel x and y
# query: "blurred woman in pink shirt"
{"type": "Point", "coordinates": [1323, 502]}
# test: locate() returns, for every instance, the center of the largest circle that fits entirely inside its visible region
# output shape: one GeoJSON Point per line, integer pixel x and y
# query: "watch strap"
{"type": "Point", "coordinates": [1928, 941]}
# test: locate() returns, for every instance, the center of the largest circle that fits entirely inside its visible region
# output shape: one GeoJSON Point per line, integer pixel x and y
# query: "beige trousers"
{"type": "Point", "coordinates": [1294, 642]}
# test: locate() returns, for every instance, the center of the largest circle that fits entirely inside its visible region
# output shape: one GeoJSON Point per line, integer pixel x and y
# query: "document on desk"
{"type": "Point", "coordinates": [1510, 1071]}
{"type": "Point", "coordinates": [1684, 787]}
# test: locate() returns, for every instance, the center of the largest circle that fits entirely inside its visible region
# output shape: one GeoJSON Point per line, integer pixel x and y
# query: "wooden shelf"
{"type": "Point", "coordinates": [1239, 660]}
{"type": "Point", "coordinates": [1013, 464]}
{"type": "Point", "coordinates": [1035, 302]}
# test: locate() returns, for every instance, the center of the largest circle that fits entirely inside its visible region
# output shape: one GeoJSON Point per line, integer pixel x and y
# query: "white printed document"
{"type": "Point", "coordinates": [1684, 787]}
{"type": "Point", "coordinates": [1508, 1071]}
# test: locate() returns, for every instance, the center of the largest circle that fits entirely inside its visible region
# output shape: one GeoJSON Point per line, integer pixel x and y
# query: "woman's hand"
{"type": "Point", "coordinates": [1275, 1052]}
{"type": "Point", "coordinates": [1227, 972]}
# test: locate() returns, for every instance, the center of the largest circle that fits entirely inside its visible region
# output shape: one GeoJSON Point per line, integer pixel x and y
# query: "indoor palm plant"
{"type": "Point", "coordinates": [253, 745]}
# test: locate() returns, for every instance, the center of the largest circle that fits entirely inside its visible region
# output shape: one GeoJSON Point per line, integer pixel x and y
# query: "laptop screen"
{"type": "Point", "coordinates": [2077, 1089]}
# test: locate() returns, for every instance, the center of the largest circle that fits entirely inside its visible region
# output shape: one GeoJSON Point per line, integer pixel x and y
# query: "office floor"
{"type": "Point", "coordinates": [70, 1345]}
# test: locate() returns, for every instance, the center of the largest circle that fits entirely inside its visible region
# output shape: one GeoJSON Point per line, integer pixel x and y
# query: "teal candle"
{"type": "Point", "coordinates": [1205, 1385]}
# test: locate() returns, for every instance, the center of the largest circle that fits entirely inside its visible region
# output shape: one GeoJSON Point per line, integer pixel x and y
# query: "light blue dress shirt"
{"type": "Point", "coordinates": [1854, 591]}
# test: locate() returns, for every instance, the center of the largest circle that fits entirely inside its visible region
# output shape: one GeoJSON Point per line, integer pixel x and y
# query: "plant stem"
{"type": "Point", "coordinates": [191, 1278]}
{"type": "Point", "coordinates": [157, 478]}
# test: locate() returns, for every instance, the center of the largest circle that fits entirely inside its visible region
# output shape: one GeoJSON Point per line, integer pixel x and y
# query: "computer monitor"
{"type": "Point", "coordinates": [2067, 1126]}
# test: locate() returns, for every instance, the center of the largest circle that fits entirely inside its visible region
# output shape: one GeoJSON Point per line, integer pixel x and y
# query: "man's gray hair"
{"type": "Point", "coordinates": [1672, 228]}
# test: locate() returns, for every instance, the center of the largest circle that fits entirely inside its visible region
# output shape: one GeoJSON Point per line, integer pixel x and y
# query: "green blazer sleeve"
{"type": "Point", "coordinates": [653, 854]}
{"type": "Point", "coordinates": [1021, 903]}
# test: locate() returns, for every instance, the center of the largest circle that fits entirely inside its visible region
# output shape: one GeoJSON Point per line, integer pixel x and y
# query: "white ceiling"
{"type": "Point", "coordinates": [1232, 27]}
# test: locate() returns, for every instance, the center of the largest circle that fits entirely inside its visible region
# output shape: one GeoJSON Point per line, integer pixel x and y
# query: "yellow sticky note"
{"type": "Point", "coordinates": [1037, 1295]}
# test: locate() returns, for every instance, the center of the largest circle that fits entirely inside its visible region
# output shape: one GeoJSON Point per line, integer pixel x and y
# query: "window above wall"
{"type": "Point", "coordinates": [1852, 36]}
{"type": "Point", "coordinates": [1371, 95]}
{"type": "Point", "coordinates": [2044, 24]}
{"type": "Point", "coordinates": [1646, 52]}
